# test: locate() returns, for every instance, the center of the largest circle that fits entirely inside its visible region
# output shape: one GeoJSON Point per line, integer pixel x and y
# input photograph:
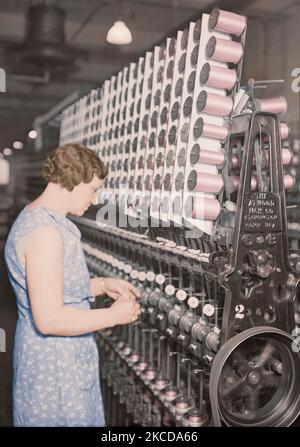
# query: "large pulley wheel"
{"type": "Point", "coordinates": [255, 380]}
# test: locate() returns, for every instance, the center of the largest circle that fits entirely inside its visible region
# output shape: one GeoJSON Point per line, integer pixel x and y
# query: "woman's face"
{"type": "Point", "coordinates": [83, 195]}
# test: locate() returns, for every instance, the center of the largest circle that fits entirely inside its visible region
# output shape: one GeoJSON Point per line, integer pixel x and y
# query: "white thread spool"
{"type": "Point", "coordinates": [284, 131]}
{"type": "Point", "coordinates": [224, 50]}
{"type": "Point", "coordinates": [273, 105]}
{"type": "Point", "coordinates": [203, 208]}
{"type": "Point", "coordinates": [288, 181]}
{"type": "Point", "coordinates": [202, 182]}
{"type": "Point", "coordinates": [204, 156]}
{"type": "Point", "coordinates": [208, 310]}
{"type": "Point", "coordinates": [218, 77]}
{"type": "Point", "coordinates": [202, 129]}
{"type": "Point", "coordinates": [160, 279]}
{"type": "Point", "coordinates": [214, 104]}
{"type": "Point", "coordinates": [150, 276]}
{"type": "Point", "coordinates": [226, 22]}
{"type": "Point", "coordinates": [286, 156]}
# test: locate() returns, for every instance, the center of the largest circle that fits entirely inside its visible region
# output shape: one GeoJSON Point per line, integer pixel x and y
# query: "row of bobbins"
{"type": "Point", "coordinates": [167, 110]}
{"type": "Point", "coordinates": [217, 79]}
{"type": "Point", "coordinates": [182, 87]}
{"type": "Point", "coordinates": [178, 140]}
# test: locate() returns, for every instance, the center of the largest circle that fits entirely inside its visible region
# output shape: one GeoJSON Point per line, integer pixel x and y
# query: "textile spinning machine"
{"type": "Point", "coordinates": [193, 213]}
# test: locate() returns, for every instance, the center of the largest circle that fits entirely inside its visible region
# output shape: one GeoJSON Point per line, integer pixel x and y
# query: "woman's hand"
{"type": "Point", "coordinates": [124, 311]}
{"type": "Point", "coordinates": [119, 289]}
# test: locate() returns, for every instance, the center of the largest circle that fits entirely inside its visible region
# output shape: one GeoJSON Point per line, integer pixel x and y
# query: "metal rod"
{"type": "Point", "coordinates": [201, 390]}
{"type": "Point", "coordinates": [189, 379]}
{"type": "Point", "coordinates": [269, 81]}
{"type": "Point", "coordinates": [144, 342]}
{"type": "Point", "coordinates": [178, 371]}
{"type": "Point", "coordinates": [159, 354]}
{"type": "Point", "coordinates": [130, 335]}
{"type": "Point", "coordinates": [136, 338]}
{"type": "Point", "coordinates": [168, 362]}
{"type": "Point", "coordinates": [151, 348]}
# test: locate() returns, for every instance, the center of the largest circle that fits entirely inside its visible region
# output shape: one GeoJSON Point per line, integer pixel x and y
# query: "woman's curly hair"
{"type": "Point", "coordinates": [72, 164]}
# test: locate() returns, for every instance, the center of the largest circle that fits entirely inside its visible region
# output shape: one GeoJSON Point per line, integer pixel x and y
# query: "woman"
{"type": "Point", "coordinates": [56, 365]}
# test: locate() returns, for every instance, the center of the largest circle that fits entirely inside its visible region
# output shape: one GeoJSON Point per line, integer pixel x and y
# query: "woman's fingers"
{"type": "Point", "coordinates": [121, 292]}
{"type": "Point", "coordinates": [133, 290]}
{"type": "Point", "coordinates": [114, 295]}
{"type": "Point", "coordinates": [126, 292]}
{"type": "Point", "coordinates": [136, 307]}
{"type": "Point", "coordinates": [131, 296]}
{"type": "Point", "coordinates": [123, 289]}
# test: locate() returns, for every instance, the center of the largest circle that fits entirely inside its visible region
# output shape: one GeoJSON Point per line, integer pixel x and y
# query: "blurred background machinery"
{"type": "Point", "coordinates": [199, 211]}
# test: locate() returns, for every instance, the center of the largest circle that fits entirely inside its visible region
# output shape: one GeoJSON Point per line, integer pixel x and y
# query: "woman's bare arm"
{"type": "Point", "coordinates": [96, 286]}
{"type": "Point", "coordinates": [44, 273]}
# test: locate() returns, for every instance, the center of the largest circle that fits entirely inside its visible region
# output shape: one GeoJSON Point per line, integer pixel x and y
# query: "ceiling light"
{"type": "Point", "coordinates": [7, 151]}
{"type": "Point", "coordinates": [18, 145]}
{"type": "Point", "coordinates": [32, 134]}
{"type": "Point", "coordinates": [119, 34]}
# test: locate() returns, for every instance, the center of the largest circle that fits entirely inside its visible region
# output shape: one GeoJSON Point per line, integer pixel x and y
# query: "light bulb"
{"type": "Point", "coordinates": [32, 134]}
{"type": "Point", "coordinates": [18, 145]}
{"type": "Point", "coordinates": [7, 151]}
{"type": "Point", "coordinates": [119, 34]}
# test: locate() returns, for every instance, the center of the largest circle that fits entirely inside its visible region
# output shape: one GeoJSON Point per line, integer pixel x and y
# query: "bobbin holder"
{"type": "Point", "coordinates": [259, 283]}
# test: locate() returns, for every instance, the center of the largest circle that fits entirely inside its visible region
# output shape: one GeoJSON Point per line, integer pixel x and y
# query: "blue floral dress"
{"type": "Point", "coordinates": [56, 378]}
